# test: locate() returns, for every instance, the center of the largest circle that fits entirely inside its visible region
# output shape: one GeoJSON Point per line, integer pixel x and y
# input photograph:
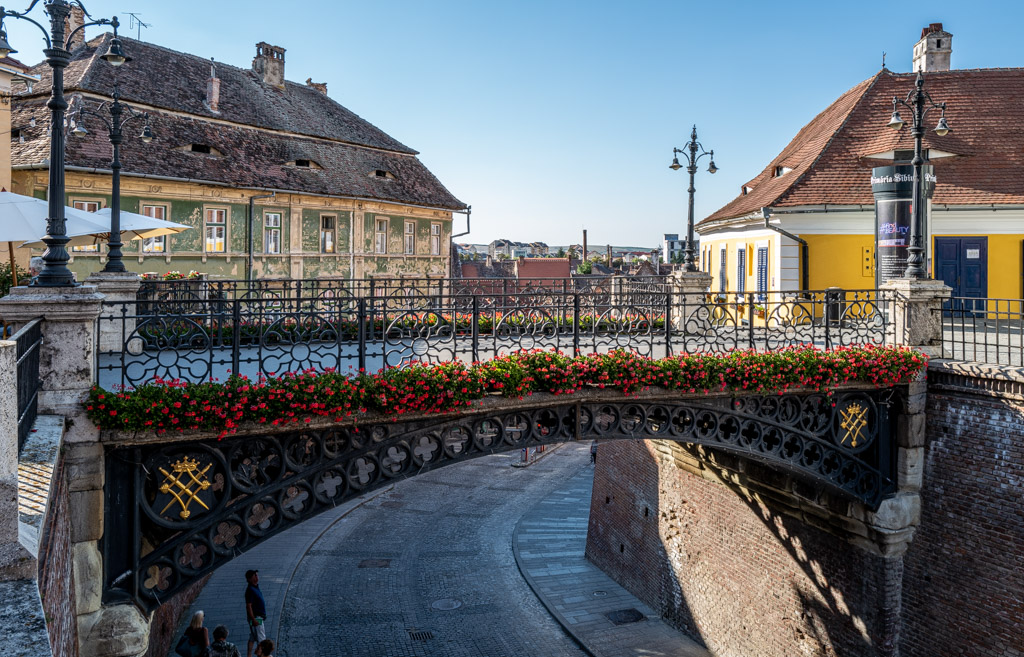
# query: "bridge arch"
{"type": "Point", "coordinates": [178, 508]}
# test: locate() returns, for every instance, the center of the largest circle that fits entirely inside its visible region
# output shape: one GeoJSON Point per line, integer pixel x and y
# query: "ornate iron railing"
{"type": "Point", "coordinates": [197, 504]}
{"type": "Point", "coordinates": [254, 334]}
{"type": "Point", "coordinates": [984, 330]}
{"type": "Point", "coordinates": [28, 341]}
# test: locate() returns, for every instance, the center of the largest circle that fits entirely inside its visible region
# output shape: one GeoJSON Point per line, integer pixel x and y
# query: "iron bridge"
{"type": "Point", "coordinates": [176, 511]}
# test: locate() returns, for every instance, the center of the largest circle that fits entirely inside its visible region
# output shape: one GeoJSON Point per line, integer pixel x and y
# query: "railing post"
{"type": "Point", "coordinates": [475, 330]}
{"type": "Point", "coordinates": [236, 335]}
{"type": "Point", "coordinates": [576, 324]}
{"type": "Point", "coordinates": [361, 332]}
{"type": "Point", "coordinates": [668, 321]}
{"type": "Point", "coordinates": [750, 320]}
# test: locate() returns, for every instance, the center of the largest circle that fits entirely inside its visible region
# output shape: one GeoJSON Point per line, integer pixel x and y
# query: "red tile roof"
{"type": "Point", "coordinates": [831, 159]}
{"type": "Point", "coordinates": [542, 268]}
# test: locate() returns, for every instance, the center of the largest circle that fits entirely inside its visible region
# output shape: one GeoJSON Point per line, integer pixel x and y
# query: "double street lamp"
{"type": "Point", "coordinates": [920, 103]}
{"type": "Point", "coordinates": [692, 152]}
{"type": "Point", "coordinates": [114, 128]}
{"type": "Point", "coordinates": [55, 272]}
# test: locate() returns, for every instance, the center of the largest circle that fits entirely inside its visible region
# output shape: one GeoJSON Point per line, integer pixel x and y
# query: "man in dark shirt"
{"type": "Point", "coordinates": [255, 610]}
{"type": "Point", "coordinates": [221, 647]}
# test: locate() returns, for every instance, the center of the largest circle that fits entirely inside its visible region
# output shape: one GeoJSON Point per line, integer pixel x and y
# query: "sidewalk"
{"type": "Point", "coordinates": [549, 543]}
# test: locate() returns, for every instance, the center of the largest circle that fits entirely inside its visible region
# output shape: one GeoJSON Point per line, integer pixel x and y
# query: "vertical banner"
{"type": "Point", "coordinates": [893, 189]}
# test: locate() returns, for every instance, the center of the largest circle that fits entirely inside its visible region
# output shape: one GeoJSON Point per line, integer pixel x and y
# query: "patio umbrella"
{"type": "Point", "coordinates": [23, 219]}
{"type": "Point", "coordinates": [133, 226]}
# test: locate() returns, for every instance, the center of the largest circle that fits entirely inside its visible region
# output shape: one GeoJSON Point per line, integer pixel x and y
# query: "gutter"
{"type": "Point", "coordinates": [214, 183]}
{"type": "Point", "coordinates": [766, 212]}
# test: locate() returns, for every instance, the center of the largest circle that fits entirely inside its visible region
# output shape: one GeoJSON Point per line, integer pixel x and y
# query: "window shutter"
{"type": "Point", "coordinates": [762, 272]}
{"type": "Point", "coordinates": [722, 270]}
{"type": "Point", "coordinates": [741, 270]}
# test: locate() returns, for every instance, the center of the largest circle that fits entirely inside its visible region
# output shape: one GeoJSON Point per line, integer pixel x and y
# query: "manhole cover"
{"type": "Point", "coordinates": [446, 604]}
{"type": "Point", "coordinates": [600, 594]}
{"type": "Point", "coordinates": [375, 563]}
{"type": "Point", "coordinates": [624, 616]}
{"type": "Point", "coordinates": [420, 635]}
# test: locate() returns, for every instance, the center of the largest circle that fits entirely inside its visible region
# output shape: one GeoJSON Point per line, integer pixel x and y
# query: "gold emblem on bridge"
{"type": "Point", "coordinates": [183, 484]}
{"type": "Point", "coordinates": [855, 418]}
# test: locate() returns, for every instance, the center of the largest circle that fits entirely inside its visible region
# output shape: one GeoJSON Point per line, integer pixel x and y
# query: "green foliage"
{"type": "Point", "coordinates": [585, 267]}
{"type": "Point", "coordinates": [561, 253]}
{"type": "Point", "coordinates": [6, 281]}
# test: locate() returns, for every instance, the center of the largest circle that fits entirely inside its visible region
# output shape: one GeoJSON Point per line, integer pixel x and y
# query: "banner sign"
{"type": "Point", "coordinates": [893, 189]}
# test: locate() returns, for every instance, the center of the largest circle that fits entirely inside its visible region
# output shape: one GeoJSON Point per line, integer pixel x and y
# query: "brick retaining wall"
{"type": "Point", "coordinates": [163, 628]}
{"type": "Point", "coordinates": [729, 571]}
{"type": "Point", "coordinates": [964, 587]}
{"type": "Point", "coordinates": [55, 564]}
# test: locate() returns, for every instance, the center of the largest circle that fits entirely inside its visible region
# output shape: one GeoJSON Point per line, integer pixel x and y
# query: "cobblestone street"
{"type": "Point", "coordinates": [428, 569]}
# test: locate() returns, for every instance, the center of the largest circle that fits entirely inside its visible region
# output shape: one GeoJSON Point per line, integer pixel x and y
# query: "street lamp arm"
{"type": "Point", "coordinates": [4, 13]}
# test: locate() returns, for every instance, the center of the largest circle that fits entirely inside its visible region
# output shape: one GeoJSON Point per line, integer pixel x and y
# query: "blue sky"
{"type": "Point", "coordinates": [550, 117]}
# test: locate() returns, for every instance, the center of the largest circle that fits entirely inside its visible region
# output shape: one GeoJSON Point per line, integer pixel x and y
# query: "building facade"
{"type": "Point", "coordinates": [818, 189]}
{"type": "Point", "coordinates": [336, 196]}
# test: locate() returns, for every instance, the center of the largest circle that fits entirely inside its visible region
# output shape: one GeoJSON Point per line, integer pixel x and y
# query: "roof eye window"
{"type": "Point", "coordinates": [202, 149]}
{"type": "Point", "coordinates": [781, 171]}
{"type": "Point", "coordinates": [381, 173]}
{"type": "Point", "coordinates": [303, 164]}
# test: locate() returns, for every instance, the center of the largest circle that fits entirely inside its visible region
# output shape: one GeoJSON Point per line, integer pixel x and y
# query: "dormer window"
{"type": "Point", "coordinates": [202, 149]}
{"type": "Point", "coordinates": [381, 173]}
{"type": "Point", "coordinates": [303, 164]}
{"type": "Point", "coordinates": [781, 171]}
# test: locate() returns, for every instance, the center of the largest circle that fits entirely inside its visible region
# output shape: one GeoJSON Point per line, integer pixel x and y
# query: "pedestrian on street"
{"type": "Point", "coordinates": [593, 452]}
{"type": "Point", "coordinates": [255, 610]}
{"type": "Point", "coordinates": [221, 647]}
{"type": "Point", "coordinates": [265, 649]}
{"type": "Point", "coordinates": [198, 636]}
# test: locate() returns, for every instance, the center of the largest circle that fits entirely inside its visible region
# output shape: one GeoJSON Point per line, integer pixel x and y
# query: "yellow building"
{"type": "Point", "coordinates": [10, 70]}
{"type": "Point", "coordinates": [818, 190]}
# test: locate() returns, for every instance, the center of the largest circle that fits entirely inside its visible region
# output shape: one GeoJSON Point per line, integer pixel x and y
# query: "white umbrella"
{"type": "Point", "coordinates": [133, 226]}
{"type": "Point", "coordinates": [23, 219]}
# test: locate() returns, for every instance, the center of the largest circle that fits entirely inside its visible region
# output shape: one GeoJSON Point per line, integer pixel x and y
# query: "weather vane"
{"type": "Point", "coordinates": [135, 22]}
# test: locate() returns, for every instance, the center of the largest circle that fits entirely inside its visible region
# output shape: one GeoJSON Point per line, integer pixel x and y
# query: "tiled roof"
{"type": "Point", "coordinates": [831, 156]}
{"type": "Point", "coordinates": [297, 122]}
{"type": "Point", "coordinates": [542, 268]}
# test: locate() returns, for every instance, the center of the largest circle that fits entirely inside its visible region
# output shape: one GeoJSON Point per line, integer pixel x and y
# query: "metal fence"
{"type": "Point", "coordinates": [28, 341]}
{"type": "Point", "coordinates": [984, 330]}
{"type": "Point", "coordinates": [197, 338]}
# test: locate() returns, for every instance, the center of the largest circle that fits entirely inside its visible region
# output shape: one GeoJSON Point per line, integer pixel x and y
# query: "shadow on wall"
{"type": "Point", "coordinates": [726, 568]}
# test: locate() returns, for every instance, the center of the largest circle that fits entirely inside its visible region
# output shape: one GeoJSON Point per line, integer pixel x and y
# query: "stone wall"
{"type": "Point", "coordinates": [55, 578]}
{"type": "Point", "coordinates": [964, 586]}
{"type": "Point", "coordinates": [726, 567]}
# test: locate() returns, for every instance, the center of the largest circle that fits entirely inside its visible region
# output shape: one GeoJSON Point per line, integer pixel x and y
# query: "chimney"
{"type": "Point", "coordinates": [213, 89]}
{"type": "Point", "coordinates": [319, 86]}
{"type": "Point", "coordinates": [609, 255]}
{"type": "Point", "coordinates": [269, 63]}
{"type": "Point", "coordinates": [584, 246]}
{"type": "Point", "coordinates": [932, 52]}
{"type": "Point", "coordinates": [74, 21]}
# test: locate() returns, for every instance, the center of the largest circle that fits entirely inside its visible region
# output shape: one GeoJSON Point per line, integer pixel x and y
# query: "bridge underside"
{"type": "Point", "coordinates": [177, 511]}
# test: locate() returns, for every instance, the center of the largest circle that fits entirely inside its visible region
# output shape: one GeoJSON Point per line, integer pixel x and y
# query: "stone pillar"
{"type": "Point", "coordinates": [689, 305]}
{"type": "Point", "coordinates": [117, 322]}
{"type": "Point", "coordinates": [917, 313]}
{"type": "Point", "coordinates": [67, 371]}
{"type": "Point", "coordinates": [15, 561]}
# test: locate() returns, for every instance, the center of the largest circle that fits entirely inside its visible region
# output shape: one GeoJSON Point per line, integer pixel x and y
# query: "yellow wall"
{"type": "Point", "coordinates": [1004, 264]}
{"type": "Point", "coordinates": [838, 261]}
{"type": "Point", "coordinates": [711, 250]}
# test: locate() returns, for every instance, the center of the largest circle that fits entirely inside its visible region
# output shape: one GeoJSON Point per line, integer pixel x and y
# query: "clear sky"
{"type": "Point", "coordinates": [553, 116]}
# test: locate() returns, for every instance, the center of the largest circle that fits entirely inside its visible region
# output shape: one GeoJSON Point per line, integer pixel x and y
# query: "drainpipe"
{"type": "Point", "coordinates": [804, 269]}
{"type": "Point", "coordinates": [252, 211]}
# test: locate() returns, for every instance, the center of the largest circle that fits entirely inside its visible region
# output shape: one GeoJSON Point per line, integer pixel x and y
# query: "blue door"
{"type": "Point", "coordinates": [962, 264]}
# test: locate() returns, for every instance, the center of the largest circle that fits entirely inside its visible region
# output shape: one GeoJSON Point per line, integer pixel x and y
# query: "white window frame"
{"type": "Point", "coordinates": [272, 233]}
{"type": "Point", "coordinates": [328, 233]}
{"type": "Point", "coordinates": [215, 233]}
{"type": "Point", "coordinates": [154, 245]}
{"type": "Point", "coordinates": [81, 205]}
{"type": "Point", "coordinates": [435, 238]}
{"type": "Point", "coordinates": [380, 242]}
{"type": "Point", "coordinates": [410, 237]}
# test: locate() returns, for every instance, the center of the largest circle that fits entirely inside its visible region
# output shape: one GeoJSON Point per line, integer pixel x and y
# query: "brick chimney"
{"type": "Point", "coordinates": [319, 86]}
{"type": "Point", "coordinates": [75, 20]}
{"type": "Point", "coordinates": [932, 52]}
{"type": "Point", "coordinates": [269, 63]}
{"type": "Point", "coordinates": [213, 89]}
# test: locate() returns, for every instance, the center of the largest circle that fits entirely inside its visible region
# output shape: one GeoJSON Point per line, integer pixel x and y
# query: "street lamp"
{"type": "Point", "coordinates": [55, 272]}
{"type": "Point", "coordinates": [691, 167]}
{"type": "Point", "coordinates": [114, 126]}
{"type": "Point", "coordinates": [920, 102]}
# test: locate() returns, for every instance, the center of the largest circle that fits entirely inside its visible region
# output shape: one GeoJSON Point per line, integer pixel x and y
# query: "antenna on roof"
{"type": "Point", "coordinates": [883, 59]}
{"type": "Point", "coordinates": [135, 22]}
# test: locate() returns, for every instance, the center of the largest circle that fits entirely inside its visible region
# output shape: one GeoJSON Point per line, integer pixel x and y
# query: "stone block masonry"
{"type": "Point", "coordinates": [722, 565]}
{"type": "Point", "coordinates": [56, 584]}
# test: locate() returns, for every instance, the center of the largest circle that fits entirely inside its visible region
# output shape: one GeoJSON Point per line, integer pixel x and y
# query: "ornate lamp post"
{"type": "Point", "coordinates": [691, 167]}
{"type": "Point", "coordinates": [114, 128]}
{"type": "Point", "coordinates": [920, 102]}
{"type": "Point", "coordinates": [55, 272]}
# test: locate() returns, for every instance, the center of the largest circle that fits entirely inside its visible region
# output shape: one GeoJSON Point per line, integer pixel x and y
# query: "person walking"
{"type": "Point", "coordinates": [221, 647]}
{"type": "Point", "coordinates": [198, 636]}
{"type": "Point", "coordinates": [593, 452]}
{"type": "Point", "coordinates": [255, 610]}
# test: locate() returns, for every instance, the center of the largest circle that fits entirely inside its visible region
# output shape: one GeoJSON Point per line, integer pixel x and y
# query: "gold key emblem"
{"type": "Point", "coordinates": [183, 484]}
{"type": "Point", "coordinates": [854, 419]}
